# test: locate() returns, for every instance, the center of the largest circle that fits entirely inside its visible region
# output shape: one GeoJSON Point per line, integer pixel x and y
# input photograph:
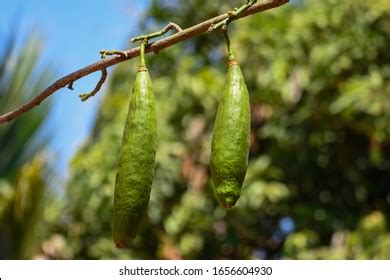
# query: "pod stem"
{"type": "Point", "coordinates": [142, 64]}
{"type": "Point", "coordinates": [224, 31]}
{"type": "Point", "coordinates": [142, 53]}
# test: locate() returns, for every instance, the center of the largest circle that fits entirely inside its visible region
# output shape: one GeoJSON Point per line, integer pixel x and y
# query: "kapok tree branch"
{"type": "Point", "coordinates": [155, 47]}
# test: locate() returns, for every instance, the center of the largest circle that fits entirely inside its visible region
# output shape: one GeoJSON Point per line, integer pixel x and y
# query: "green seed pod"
{"type": "Point", "coordinates": [230, 142]}
{"type": "Point", "coordinates": [136, 161]}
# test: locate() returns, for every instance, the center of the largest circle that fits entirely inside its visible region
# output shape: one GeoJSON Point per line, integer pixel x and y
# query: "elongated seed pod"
{"type": "Point", "coordinates": [230, 142]}
{"type": "Point", "coordinates": [136, 161]}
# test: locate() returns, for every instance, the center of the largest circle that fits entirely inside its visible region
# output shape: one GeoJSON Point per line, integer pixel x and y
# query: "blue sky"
{"type": "Point", "coordinates": [73, 32]}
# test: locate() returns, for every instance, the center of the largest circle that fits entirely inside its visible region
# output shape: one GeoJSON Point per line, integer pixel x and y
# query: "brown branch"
{"type": "Point", "coordinates": [155, 47]}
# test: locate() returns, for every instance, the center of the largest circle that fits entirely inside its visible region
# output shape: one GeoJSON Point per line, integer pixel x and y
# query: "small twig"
{"type": "Point", "coordinates": [232, 14]}
{"type": "Point", "coordinates": [104, 53]}
{"type": "Point", "coordinates": [169, 26]}
{"type": "Point", "coordinates": [70, 86]}
{"type": "Point", "coordinates": [155, 47]}
{"type": "Point", "coordinates": [85, 96]}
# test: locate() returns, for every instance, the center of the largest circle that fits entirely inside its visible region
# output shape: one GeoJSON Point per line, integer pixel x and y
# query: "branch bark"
{"type": "Point", "coordinates": [155, 47]}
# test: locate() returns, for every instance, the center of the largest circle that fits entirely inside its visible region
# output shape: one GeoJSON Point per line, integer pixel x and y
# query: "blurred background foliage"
{"type": "Point", "coordinates": [24, 168]}
{"type": "Point", "coordinates": [317, 185]}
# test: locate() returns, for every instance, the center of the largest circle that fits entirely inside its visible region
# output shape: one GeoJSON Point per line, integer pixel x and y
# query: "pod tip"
{"type": "Point", "coordinates": [227, 194]}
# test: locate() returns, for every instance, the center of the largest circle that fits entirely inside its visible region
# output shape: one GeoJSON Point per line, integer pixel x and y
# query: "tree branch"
{"type": "Point", "coordinates": [155, 47]}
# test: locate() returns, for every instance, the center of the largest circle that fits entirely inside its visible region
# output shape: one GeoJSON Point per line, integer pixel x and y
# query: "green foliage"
{"type": "Point", "coordinates": [23, 172]}
{"type": "Point", "coordinates": [20, 80]}
{"type": "Point", "coordinates": [370, 240]}
{"type": "Point", "coordinates": [318, 175]}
